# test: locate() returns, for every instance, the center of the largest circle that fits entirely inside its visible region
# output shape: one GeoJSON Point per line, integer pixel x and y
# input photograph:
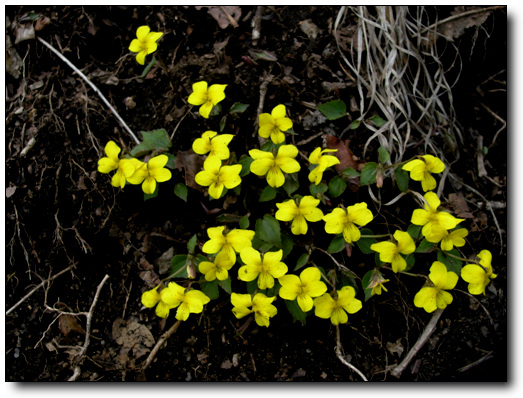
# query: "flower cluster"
{"type": "Point", "coordinates": [132, 170]}
{"type": "Point", "coordinates": [262, 264]}
{"type": "Point", "coordinates": [173, 296]}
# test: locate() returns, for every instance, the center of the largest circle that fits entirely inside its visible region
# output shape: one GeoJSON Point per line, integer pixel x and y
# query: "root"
{"type": "Point", "coordinates": [159, 344]}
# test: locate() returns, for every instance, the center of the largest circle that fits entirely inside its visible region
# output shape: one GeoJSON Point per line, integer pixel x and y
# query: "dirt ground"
{"type": "Point", "coordinates": [61, 214]}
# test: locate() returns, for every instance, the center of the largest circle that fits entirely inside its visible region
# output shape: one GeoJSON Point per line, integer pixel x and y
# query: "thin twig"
{"type": "Point", "coordinates": [256, 25]}
{"type": "Point", "coordinates": [427, 332]}
{"type": "Point", "coordinates": [83, 350]}
{"type": "Point", "coordinates": [38, 287]}
{"type": "Point", "coordinates": [159, 344]}
{"type": "Point", "coordinates": [124, 125]}
{"type": "Point", "coordinates": [475, 363]}
{"type": "Point", "coordinates": [342, 359]}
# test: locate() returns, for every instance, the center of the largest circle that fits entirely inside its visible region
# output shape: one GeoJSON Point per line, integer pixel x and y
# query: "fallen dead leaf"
{"type": "Point", "coordinates": [164, 261]}
{"type": "Point", "coordinates": [395, 348]}
{"type": "Point", "coordinates": [224, 15]}
{"type": "Point", "coordinates": [191, 163]}
{"type": "Point", "coordinates": [133, 337]}
{"type": "Point", "coordinates": [455, 28]}
{"type": "Point", "coordinates": [459, 205]}
{"type": "Point", "coordinates": [68, 324]}
{"type": "Point", "coordinates": [344, 154]}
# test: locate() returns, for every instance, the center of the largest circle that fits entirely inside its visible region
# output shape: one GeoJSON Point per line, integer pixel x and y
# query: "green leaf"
{"type": "Point", "coordinates": [402, 178]}
{"type": "Point", "coordinates": [244, 222]}
{"type": "Point", "coordinates": [152, 140]}
{"type": "Point", "coordinates": [286, 244]}
{"type": "Point", "coordinates": [409, 258]}
{"type": "Point", "coordinates": [425, 246]}
{"type": "Point", "coordinates": [268, 146]}
{"type": "Point", "coordinates": [377, 121]}
{"type": "Point", "coordinates": [365, 281]}
{"type": "Point", "coordinates": [452, 264]}
{"type": "Point", "coordinates": [384, 155]}
{"type": "Point", "coordinates": [245, 161]}
{"type": "Point", "coordinates": [368, 173]}
{"type": "Point", "coordinates": [321, 188]}
{"type": "Point", "coordinates": [264, 55]}
{"type": "Point", "coordinates": [333, 110]}
{"type": "Point", "coordinates": [181, 191]}
{"type": "Point", "coordinates": [210, 289]}
{"type": "Point", "coordinates": [252, 286]}
{"type": "Point", "coordinates": [179, 266]}
{"type": "Point", "coordinates": [268, 193]}
{"type": "Point", "coordinates": [337, 244]}
{"type": "Point", "coordinates": [268, 230]}
{"type": "Point", "coordinates": [337, 186]}
{"type": "Point", "coordinates": [350, 172]}
{"type": "Point", "coordinates": [296, 311]}
{"type": "Point", "coordinates": [365, 243]}
{"type": "Point", "coordinates": [414, 231]}
{"type": "Point", "coordinates": [226, 285]}
{"type": "Point", "coordinates": [355, 124]}
{"type": "Point", "coordinates": [223, 122]}
{"type": "Point", "coordinates": [290, 185]}
{"type": "Point", "coordinates": [302, 261]}
{"type": "Point", "coordinates": [238, 107]}
{"type": "Point", "coordinates": [192, 244]}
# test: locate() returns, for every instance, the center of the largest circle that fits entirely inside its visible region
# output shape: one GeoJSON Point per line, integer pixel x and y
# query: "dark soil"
{"type": "Point", "coordinates": [61, 212]}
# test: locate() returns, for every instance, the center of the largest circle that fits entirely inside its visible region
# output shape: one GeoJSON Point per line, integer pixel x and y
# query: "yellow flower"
{"type": "Point", "coordinates": [479, 276]}
{"type": "Point", "coordinates": [215, 144]}
{"type": "Point", "coordinates": [303, 288]}
{"type": "Point", "coordinates": [230, 243]}
{"type": "Point", "coordinates": [148, 174]}
{"type": "Point", "coordinates": [175, 296]}
{"type": "Point", "coordinates": [323, 162]}
{"type": "Point", "coordinates": [390, 252]}
{"type": "Point", "coordinates": [376, 283]}
{"type": "Point", "coordinates": [432, 297]}
{"type": "Point", "coordinates": [145, 43]}
{"type": "Point", "coordinates": [454, 238]}
{"type": "Point", "coordinates": [265, 163]}
{"type": "Point", "coordinates": [217, 269]}
{"type": "Point", "coordinates": [111, 161]}
{"type": "Point", "coordinates": [307, 210]}
{"type": "Point", "coordinates": [345, 220]}
{"type": "Point", "coordinates": [217, 177]}
{"type": "Point", "coordinates": [336, 309]}
{"type": "Point", "coordinates": [261, 306]}
{"type": "Point", "coordinates": [125, 168]}
{"type": "Point", "coordinates": [435, 223]}
{"type": "Point", "coordinates": [206, 97]}
{"type": "Point", "coordinates": [265, 269]}
{"type": "Point", "coordinates": [421, 169]}
{"type": "Point", "coordinates": [272, 125]}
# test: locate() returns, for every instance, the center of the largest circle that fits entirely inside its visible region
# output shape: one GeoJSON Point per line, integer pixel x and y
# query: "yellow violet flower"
{"type": "Point", "coordinates": [299, 214]}
{"type": "Point", "coordinates": [148, 174]}
{"type": "Point", "coordinates": [345, 220]}
{"type": "Point", "coordinates": [273, 124]}
{"type": "Point", "coordinates": [376, 283]}
{"type": "Point", "coordinates": [229, 243]}
{"type": "Point", "coordinates": [265, 269]}
{"type": "Point", "coordinates": [390, 252]}
{"type": "Point", "coordinates": [261, 306]}
{"type": "Point", "coordinates": [217, 177]}
{"type": "Point", "coordinates": [175, 296]}
{"type": "Point", "coordinates": [479, 276]}
{"type": "Point", "coordinates": [421, 169]}
{"type": "Point", "coordinates": [336, 309]}
{"type": "Point", "coordinates": [217, 269]}
{"type": "Point", "coordinates": [213, 143]}
{"type": "Point", "coordinates": [265, 163]}
{"type": "Point", "coordinates": [206, 97]}
{"type": "Point", "coordinates": [454, 238]}
{"type": "Point", "coordinates": [303, 288]}
{"type": "Point", "coordinates": [434, 222]}
{"type": "Point", "coordinates": [124, 167]}
{"type": "Point", "coordinates": [323, 162]}
{"type": "Point", "coordinates": [145, 43]}
{"type": "Point", "coordinates": [432, 297]}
